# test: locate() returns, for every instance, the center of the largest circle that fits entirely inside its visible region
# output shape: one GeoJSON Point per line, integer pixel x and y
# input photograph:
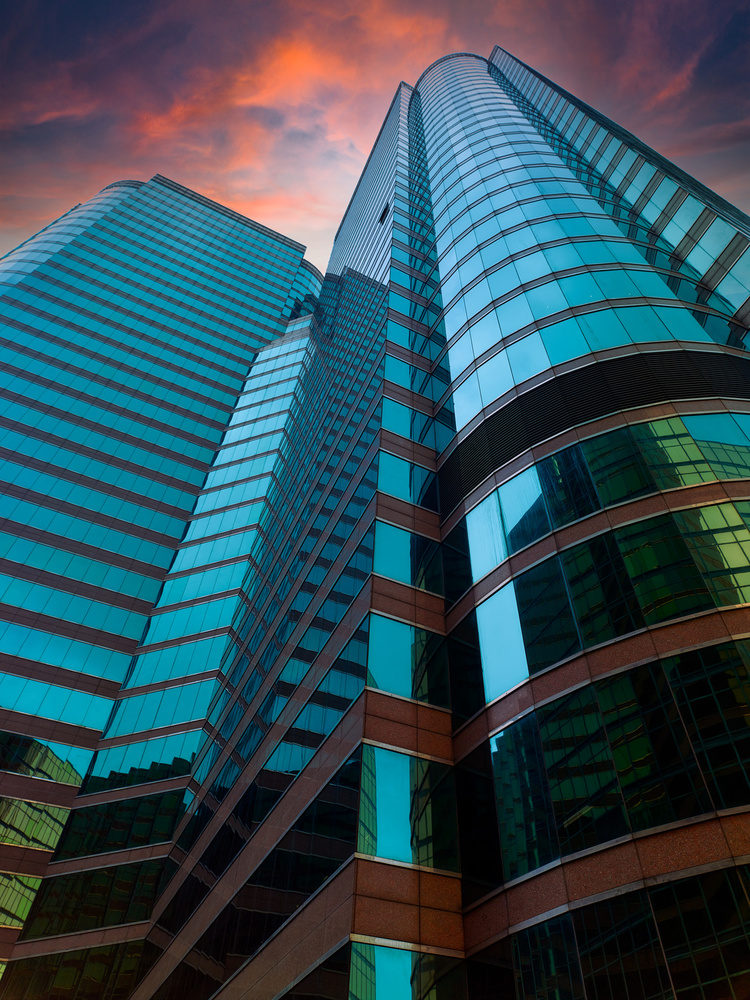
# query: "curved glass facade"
{"type": "Point", "coordinates": [384, 636]}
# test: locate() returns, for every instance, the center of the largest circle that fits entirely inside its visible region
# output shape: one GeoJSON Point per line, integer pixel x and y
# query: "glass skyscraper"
{"type": "Point", "coordinates": [384, 636]}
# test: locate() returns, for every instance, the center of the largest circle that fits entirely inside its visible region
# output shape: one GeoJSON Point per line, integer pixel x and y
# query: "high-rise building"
{"type": "Point", "coordinates": [386, 635]}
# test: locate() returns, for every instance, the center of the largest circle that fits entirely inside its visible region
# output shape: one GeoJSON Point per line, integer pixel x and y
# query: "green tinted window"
{"type": "Point", "coordinates": [666, 580]}
{"type": "Point", "coordinates": [585, 792]}
{"type": "Point", "coordinates": [617, 468]}
{"type": "Point", "coordinates": [658, 773]}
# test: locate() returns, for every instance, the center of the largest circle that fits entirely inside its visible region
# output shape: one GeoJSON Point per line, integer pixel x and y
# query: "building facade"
{"type": "Point", "coordinates": [385, 635]}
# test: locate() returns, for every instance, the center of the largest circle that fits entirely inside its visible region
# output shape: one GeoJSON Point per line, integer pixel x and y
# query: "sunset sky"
{"type": "Point", "coordinates": [271, 106]}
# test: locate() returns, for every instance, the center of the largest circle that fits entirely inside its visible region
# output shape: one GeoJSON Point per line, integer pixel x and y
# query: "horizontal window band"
{"type": "Point", "coordinates": [586, 393]}
{"type": "Point", "coordinates": [97, 486]}
{"type": "Point", "coordinates": [71, 630]}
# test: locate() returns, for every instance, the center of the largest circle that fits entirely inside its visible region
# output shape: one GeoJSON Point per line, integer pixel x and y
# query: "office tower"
{"type": "Point", "coordinates": [445, 694]}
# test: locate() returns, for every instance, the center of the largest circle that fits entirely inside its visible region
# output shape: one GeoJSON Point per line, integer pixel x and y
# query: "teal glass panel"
{"type": "Point", "coordinates": [189, 621]}
{"type": "Point", "coordinates": [408, 809]}
{"type": "Point", "coordinates": [407, 481]}
{"type": "Point", "coordinates": [407, 661]}
{"type": "Point", "coordinates": [177, 661]}
{"type": "Point", "coordinates": [671, 454]}
{"type": "Point", "coordinates": [719, 542]}
{"type": "Point", "coordinates": [564, 341]}
{"type": "Point", "coordinates": [528, 838]}
{"type": "Point", "coordinates": [603, 330]}
{"type": "Point", "coordinates": [408, 423]}
{"type": "Point", "coordinates": [547, 621]}
{"type": "Point", "coordinates": [603, 599]}
{"type": "Point", "coordinates": [495, 377]}
{"type": "Point", "coordinates": [617, 467]}
{"type": "Point", "coordinates": [527, 357]}
{"type": "Point", "coordinates": [712, 689]}
{"type": "Point", "coordinates": [501, 642]}
{"type": "Point", "coordinates": [524, 513]}
{"type": "Point", "coordinates": [52, 702]}
{"type": "Point", "coordinates": [380, 973]}
{"type": "Point", "coordinates": [410, 558]}
{"type": "Point", "coordinates": [723, 442]}
{"type": "Point", "coordinates": [666, 580]}
{"type": "Point", "coordinates": [161, 708]}
{"type": "Point", "coordinates": [467, 400]}
{"type": "Point", "coordinates": [659, 775]}
{"type": "Point", "coordinates": [484, 526]}
{"type": "Point", "coordinates": [586, 800]}
{"type": "Point", "coordinates": [58, 651]}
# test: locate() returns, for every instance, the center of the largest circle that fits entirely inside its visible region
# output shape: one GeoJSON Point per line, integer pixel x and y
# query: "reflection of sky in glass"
{"type": "Point", "coordinates": [392, 974]}
{"type": "Point", "coordinates": [501, 643]}
{"type": "Point", "coordinates": [467, 401]}
{"type": "Point", "coordinates": [486, 538]}
{"type": "Point", "coordinates": [720, 428]}
{"type": "Point", "coordinates": [389, 657]}
{"type": "Point", "coordinates": [524, 513]}
{"type": "Point", "coordinates": [392, 802]}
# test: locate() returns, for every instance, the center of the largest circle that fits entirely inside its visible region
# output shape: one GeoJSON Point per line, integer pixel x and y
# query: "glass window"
{"type": "Point", "coordinates": [524, 514]}
{"type": "Point", "coordinates": [704, 928]}
{"type": "Point", "coordinates": [617, 468]}
{"type": "Point", "coordinates": [408, 810]}
{"type": "Point", "coordinates": [545, 959]}
{"type": "Point", "coordinates": [719, 542]}
{"type": "Point", "coordinates": [564, 341]}
{"type": "Point", "coordinates": [585, 792]}
{"type": "Point", "coordinates": [407, 481]}
{"type": "Point", "coordinates": [620, 952]}
{"type": "Point", "coordinates": [659, 775]}
{"type": "Point", "coordinates": [671, 454]}
{"type": "Point", "coordinates": [501, 643]}
{"type": "Point", "coordinates": [567, 486]}
{"type": "Point", "coordinates": [603, 599]}
{"type": "Point", "coordinates": [547, 622]}
{"type": "Point", "coordinates": [712, 689]}
{"type": "Point", "coordinates": [666, 580]}
{"type": "Point", "coordinates": [527, 357]}
{"type": "Point", "coordinates": [528, 838]}
{"type": "Point", "coordinates": [410, 558]}
{"type": "Point", "coordinates": [407, 661]}
{"type": "Point", "coordinates": [495, 377]}
{"type": "Point", "coordinates": [723, 442]}
{"type": "Point", "coordinates": [484, 525]}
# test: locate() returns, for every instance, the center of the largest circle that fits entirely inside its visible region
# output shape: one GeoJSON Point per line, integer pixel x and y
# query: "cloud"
{"type": "Point", "coordinates": [271, 106]}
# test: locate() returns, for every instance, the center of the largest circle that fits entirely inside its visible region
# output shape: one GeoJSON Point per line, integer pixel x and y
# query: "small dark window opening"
{"type": "Point", "coordinates": [383, 214]}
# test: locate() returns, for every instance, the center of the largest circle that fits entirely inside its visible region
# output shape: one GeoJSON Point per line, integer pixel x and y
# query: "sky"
{"type": "Point", "coordinates": [272, 106]}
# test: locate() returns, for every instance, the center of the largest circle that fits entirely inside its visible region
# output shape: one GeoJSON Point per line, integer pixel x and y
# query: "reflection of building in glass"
{"type": "Point", "coordinates": [394, 627]}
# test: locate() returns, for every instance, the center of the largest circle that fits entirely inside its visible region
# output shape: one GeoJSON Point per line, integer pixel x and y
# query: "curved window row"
{"type": "Point", "coordinates": [563, 341]}
{"type": "Point", "coordinates": [661, 743]}
{"type": "Point", "coordinates": [684, 939]}
{"type": "Point", "coordinates": [608, 469]}
{"type": "Point", "coordinates": [641, 574]}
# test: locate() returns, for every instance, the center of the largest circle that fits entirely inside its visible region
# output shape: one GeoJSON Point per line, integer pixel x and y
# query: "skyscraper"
{"type": "Point", "coordinates": [394, 626]}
